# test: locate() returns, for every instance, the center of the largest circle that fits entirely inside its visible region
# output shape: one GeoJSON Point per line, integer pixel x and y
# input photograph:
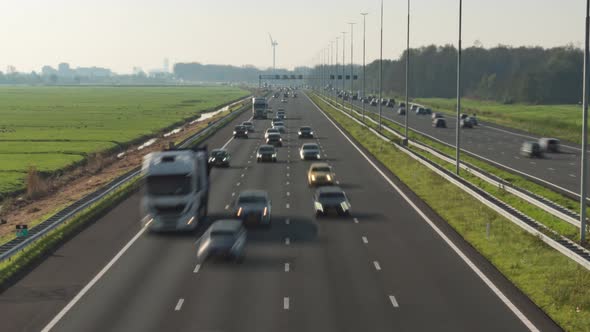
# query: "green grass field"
{"type": "Point", "coordinates": [53, 127]}
{"type": "Point", "coordinates": [559, 121]}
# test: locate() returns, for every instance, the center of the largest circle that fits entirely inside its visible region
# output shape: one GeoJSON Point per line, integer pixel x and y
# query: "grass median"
{"type": "Point", "coordinates": [556, 284]}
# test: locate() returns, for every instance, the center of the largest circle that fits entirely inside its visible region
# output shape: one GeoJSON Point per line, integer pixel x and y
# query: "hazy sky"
{"type": "Point", "coordinates": [120, 34]}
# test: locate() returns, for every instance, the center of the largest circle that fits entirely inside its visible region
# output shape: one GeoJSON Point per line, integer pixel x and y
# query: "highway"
{"type": "Point", "coordinates": [393, 265]}
{"type": "Point", "coordinates": [502, 146]}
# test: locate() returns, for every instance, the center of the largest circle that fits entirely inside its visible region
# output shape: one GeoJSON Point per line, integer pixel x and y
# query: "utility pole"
{"type": "Point", "coordinates": [407, 77]}
{"type": "Point", "coordinates": [336, 78]}
{"type": "Point", "coordinates": [351, 65]}
{"type": "Point", "coordinates": [381, 68]}
{"type": "Point", "coordinates": [343, 63]}
{"type": "Point", "coordinates": [458, 129]}
{"type": "Point", "coordinates": [364, 64]}
{"type": "Point", "coordinates": [584, 172]}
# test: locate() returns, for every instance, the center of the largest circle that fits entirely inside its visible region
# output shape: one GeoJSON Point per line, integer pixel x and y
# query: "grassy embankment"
{"type": "Point", "coordinates": [51, 128]}
{"type": "Point", "coordinates": [555, 283]}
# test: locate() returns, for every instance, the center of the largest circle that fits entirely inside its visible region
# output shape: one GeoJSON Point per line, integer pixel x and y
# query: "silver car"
{"type": "Point", "coordinates": [254, 207]}
{"type": "Point", "coordinates": [310, 151]}
{"type": "Point", "coordinates": [224, 238]}
{"type": "Point", "coordinates": [331, 198]}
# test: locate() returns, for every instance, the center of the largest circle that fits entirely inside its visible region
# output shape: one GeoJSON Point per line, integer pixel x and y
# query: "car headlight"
{"type": "Point", "coordinates": [259, 155]}
{"type": "Point", "coordinates": [224, 158]}
{"type": "Point", "coordinates": [329, 177]}
{"type": "Point", "coordinates": [313, 178]}
{"type": "Point", "coordinates": [299, 133]}
{"type": "Point", "coordinates": [274, 155]}
{"type": "Point", "coordinates": [234, 132]}
{"type": "Point", "coordinates": [318, 155]}
{"type": "Point", "coordinates": [239, 211]}
{"type": "Point", "coordinates": [311, 132]}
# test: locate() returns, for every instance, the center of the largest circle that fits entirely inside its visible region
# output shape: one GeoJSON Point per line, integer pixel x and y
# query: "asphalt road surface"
{"type": "Point", "coordinates": [388, 267]}
{"type": "Point", "coordinates": [501, 145]}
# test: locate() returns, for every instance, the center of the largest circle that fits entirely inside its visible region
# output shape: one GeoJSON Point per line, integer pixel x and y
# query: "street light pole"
{"type": "Point", "coordinates": [584, 170]}
{"type": "Point", "coordinates": [343, 62]}
{"type": "Point", "coordinates": [407, 77]}
{"type": "Point", "coordinates": [381, 68]}
{"type": "Point", "coordinates": [336, 78]}
{"type": "Point", "coordinates": [364, 64]}
{"type": "Point", "coordinates": [351, 64]}
{"type": "Point", "coordinates": [458, 124]}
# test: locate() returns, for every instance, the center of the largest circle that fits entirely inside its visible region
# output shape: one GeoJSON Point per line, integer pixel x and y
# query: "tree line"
{"type": "Point", "coordinates": [505, 74]}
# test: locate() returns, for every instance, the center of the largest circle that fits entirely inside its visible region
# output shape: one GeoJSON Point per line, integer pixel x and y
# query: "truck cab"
{"type": "Point", "coordinates": [176, 190]}
{"type": "Point", "coordinates": [259, 107]}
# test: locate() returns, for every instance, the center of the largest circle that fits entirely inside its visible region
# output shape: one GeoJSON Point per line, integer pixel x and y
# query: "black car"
{"type": "Point", "coordinates": [390, 104]}
{"type": "Point", "coordinates": [274, 140]}
{"type": "Point", "coordinates": [402, 104]}
{"type": "Point", "coordinates": [266, 153]}
{"type": "Point", "coordinates": [401, 111]}
{"type": "Point", "coordinates": [330, 198]}
{"type": "Point", "coordinates": [305, 132]}
{"type": "Point", "coordinates": [439, 123]}
{"type": "Point", "coordinates": [219, 158]}
{"type": "Point", "coordinates": [531, 150]}
{"type": "Point", "coordinates": [240, 132]}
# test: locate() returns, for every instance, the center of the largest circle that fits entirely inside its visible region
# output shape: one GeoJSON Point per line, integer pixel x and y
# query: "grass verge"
{"type": "Point", "coordinates": [558, 225]}
{"type": "Point", "coordinates": [553, 282]}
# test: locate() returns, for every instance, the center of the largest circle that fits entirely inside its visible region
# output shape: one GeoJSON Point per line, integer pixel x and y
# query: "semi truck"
{"type": "Point", "coordinates": [259, 107]}
{"type": "Point", "coordinates": [176, 190]}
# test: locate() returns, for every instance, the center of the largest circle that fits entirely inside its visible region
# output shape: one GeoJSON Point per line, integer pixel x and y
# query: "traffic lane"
{"type": "Point", "coordinates": [148, 277]}
{"type": "Point", "coordinates": [560, 169]}
{"type": "Point", "coordinates": [399, 232]}
{"type": "Point", "coordinates": [335, 288]}
{"type": "Point", "coordinates": [35, 299]}
{"type": "Point", "coordinates": [255, 296]}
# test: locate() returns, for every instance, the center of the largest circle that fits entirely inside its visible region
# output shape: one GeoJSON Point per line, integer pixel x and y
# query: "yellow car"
{"type": "Point", "coordinates": [320, 174]}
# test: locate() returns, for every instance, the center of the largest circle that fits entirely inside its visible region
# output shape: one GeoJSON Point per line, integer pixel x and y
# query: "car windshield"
{"type": "Point", "coordinates": [332, 196]}
{"type": "Point", "coordinates": [252, 199]}
{"type": "Point", "coordinates": [218, 153]}
{"type": "Point", "coordinates": [163, 185]}
{"type": "Point", "coordinates": [266, 149]}
{"type": "Point", "coordinates": [305, 129]}
{"type": "Point", "coordinates": [321, 169]}
{"type": "Point", "coordinates": [222, 233]}
{"type": "Point", "coordinates": [310, 147]}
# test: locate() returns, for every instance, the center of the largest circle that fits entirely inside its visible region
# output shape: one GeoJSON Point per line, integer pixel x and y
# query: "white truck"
{"type": "Point", "coordinates": [259, 107]}
{"type": "Point", "coordinates": [176, 191]}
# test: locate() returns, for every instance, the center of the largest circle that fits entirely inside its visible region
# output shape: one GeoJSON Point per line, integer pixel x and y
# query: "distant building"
{"type": "Point", "coordinates": [48, 71]}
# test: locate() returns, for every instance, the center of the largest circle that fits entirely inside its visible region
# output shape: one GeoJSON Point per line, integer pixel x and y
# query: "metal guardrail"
{"type": "Point", "coordinates": [541, 202]}
{"type": "Point", "coordinates": [16, 245]}
{"type": "Point", "coordinates": [563, 245]}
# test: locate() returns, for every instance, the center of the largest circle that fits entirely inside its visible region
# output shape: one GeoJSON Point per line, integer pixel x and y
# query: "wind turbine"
{"type": "Point", "coordinates": [274, 44]}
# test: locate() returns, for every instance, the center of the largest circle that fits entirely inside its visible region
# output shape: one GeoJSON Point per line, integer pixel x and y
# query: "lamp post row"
{"type": "Point", "coordinates": [585, 93]}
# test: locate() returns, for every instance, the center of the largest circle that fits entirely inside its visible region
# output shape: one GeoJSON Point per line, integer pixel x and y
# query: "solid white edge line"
{"type": "Point", "coordinates": [179, 305]}
{"type": "Point", "coordinates": [393, 301]}
{"type": "Point", "coordinates": [287, 267]}
{"type": "Point", "coordinates": [450, 243]}
{"type": "Point", "coordinates": [286, 303]}
{"type": "Point", "coordinates": [92, 282]}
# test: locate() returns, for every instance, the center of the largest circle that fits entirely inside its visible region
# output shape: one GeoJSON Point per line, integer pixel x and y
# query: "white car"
{"type": "Point", "coordinates": [310, 151]}
{"type": "Point", "coordinates": [271, 130]}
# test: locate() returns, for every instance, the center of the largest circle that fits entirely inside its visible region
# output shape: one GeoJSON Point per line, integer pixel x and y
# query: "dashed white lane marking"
{"type": "Point", "coordinates": [287, 221]}
{"type": "Point", "coordinates": [393, 301]}
{"type": "Point", "coordinates": [287, 205]}
{"type": "Point", "coordinates": [249, 161]}
{"type": "Point", "coordinates": [242, 175]}
{"type": "Point", "coordinates": [288, 174]}
{"type": "Point", "coordinates": [337, 182]}
{"type": "Point", "coordinates": [572, 164]}
{"type": "Point", "coordinates": [516, 157]}
{"type": "Point", "coordinates": [287, 166]}
{"type": "Point", "coordinates": [467, 261]}
{"type": "Point", "coordinates": [365, 240]}
{"type": "Point", "coordinates": [377, 266]}
{"type": "Point", "coordinates": [288, 193]}
{"type": "Point", "coordinates": [197, 268]}
{"type": "Point", "coordinates": [573, 175]}
{"type": "Point", "coordinates": [287, 241]}
{"type": "Point", "coordinates": [551, 169]}
{"type": "Point", "coordinates": [287, 267]}
{"type": "Point", "coordinates": [356, 220]}
{"type": "Point", "coordinates": [238, 184]}
{"type": "Point", "coordinates": [533, 163]}
{"type": "Point", "coordinates": [288, 183]}
{"type": "Point", "coordinates": [179, 305]}
{"type": "Point", "coordinates": [227, 207]}
{"type": "Point", "coordinates": [286, 303]}
{"type": "Point", "coordinates": [233, 194]}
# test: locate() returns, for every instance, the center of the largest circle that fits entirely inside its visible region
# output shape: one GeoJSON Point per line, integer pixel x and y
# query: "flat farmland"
{"type": "Point", "coordinates": [53, 127]}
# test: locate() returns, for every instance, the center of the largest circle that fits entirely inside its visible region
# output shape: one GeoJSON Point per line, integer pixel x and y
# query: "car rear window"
{"type": "Point", "coordinates": [251, 199]}
{"type": "Point", "coordinates": [310, 147]}
{"type": "Point", "coordinates": [222, 232]}
{"type": "Point", "coordinates": [332, 196]}
{"type": "Point", "coordinates": [321, 169]}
